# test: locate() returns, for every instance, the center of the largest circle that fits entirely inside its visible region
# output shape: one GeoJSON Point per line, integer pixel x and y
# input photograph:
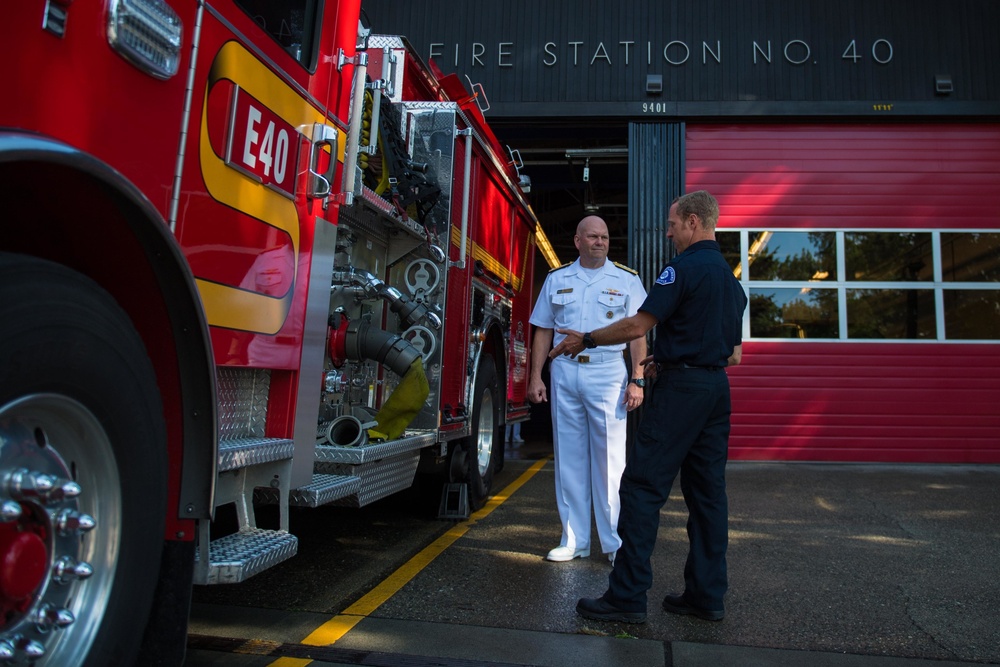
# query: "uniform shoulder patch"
{"type": "Point", "coordinates": [626, 268]}
{"type": "Point", "coordinates": [560, 267]}
{"type": "Point", "coordinates": [667, 276]}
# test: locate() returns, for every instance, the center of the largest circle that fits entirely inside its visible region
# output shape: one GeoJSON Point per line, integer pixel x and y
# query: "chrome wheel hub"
{"type": "Point", "coordinates": [57, 472]}
{"type": "Point", "coordinates": [487, 430]}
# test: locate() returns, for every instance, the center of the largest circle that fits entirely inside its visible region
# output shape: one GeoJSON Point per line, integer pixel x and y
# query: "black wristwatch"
{"type": "Point", "coordinates": [639, 382]}
{"type": "Point", "coordinates": [588, 341]}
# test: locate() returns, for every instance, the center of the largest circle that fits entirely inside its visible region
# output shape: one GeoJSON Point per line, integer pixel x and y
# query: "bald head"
{"type": "Point", "coordinates": [592, 241]}
{"type": "Point", "coordinates": [591, 222]}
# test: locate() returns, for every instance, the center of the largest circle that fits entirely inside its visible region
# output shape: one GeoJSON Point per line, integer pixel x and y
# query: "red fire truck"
{"type": "Point", "coordinates": [251, 254]}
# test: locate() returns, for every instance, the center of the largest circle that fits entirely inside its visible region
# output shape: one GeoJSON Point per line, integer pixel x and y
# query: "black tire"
{"type": "Point", "coordinates": [479, 449]}
{"type": "Point", "coordinates": [79, 400]}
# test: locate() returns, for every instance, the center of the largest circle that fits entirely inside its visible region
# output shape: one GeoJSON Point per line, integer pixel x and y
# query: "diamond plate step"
{"type": "Point", "coordinates": [373, 451]}
{"type": "Point", "coordinates": [236, 453]}
{"type": "Point", "coordinates": [377, 479]}
{"type": "Point", "coordinates": [324, 488]}
{"type": "Point", "coordinates": [237, 557]}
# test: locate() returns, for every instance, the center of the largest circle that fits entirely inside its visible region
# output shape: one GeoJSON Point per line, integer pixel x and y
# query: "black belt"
{"type": "Point", "coordinates": [681, 366]}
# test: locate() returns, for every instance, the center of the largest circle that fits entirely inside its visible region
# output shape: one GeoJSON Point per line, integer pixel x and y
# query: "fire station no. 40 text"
{"type": "Point", "coordinates": [676, 52]}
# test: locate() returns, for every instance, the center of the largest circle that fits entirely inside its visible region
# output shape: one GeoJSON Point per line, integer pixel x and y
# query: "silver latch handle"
{"type": "Point", "coordinates": [320, 184]}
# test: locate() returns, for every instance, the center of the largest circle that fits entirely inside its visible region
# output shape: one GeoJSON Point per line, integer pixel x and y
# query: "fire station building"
{"type": "Point", "coordinates": [854, 148]}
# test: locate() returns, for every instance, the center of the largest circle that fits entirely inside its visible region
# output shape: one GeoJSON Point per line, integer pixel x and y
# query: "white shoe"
{"type": "Point", "coordinates": [562, 554]}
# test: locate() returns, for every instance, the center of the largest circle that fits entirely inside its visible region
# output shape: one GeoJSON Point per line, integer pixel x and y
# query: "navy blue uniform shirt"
{"type": "Point", "coordinates": [699, 305]}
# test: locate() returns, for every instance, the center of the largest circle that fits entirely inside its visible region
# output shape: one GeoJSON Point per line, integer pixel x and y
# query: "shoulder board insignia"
{"type": "Point", "coordinates": [626, 268]}
{"type": "Point", "coordinates": [560, 267]}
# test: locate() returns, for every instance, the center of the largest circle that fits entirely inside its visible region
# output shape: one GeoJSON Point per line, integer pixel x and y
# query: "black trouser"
{"type": "Point", "coordinates": [684, 428]}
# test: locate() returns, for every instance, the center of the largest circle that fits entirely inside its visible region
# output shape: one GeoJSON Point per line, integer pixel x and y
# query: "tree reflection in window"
{"type": "Point", "coordinates": [793, 256]}
{"type": "Point", "coordinates": [888, 256]}
{"type": "Point", "coordinates": [793, 312]}
{"type": "Point", "coordinates": [970, 256]}
{"type": "Point", "coordinates": [888, 284]}
{"type": "Point", "coordinates": [972, 314]}
{"type": "Point", "coordinates": [891, 313]}
{"type": "Point", "coordinates": [729, 243]}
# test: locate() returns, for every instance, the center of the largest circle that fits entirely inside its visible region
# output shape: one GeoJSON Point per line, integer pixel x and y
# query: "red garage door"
{"type": "Point", "coordinates": [871, 254]}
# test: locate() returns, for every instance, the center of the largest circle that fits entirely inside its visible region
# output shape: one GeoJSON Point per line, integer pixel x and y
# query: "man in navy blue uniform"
{"type": "Point", "coordinates": [697, 306]}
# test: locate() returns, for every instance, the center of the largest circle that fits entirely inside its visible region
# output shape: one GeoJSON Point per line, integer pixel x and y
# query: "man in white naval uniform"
{"type": "Point", "coordinates": [591, 393]}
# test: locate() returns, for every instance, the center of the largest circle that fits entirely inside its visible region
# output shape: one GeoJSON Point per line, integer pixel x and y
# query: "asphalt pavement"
{"type": "Point", "coordinates": [846, 565]}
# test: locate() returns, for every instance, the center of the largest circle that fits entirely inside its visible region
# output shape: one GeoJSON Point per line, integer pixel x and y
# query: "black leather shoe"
{"type": "Point", "coordinates": [676, 604]}
{"type": "Point", "coordinates": [600, 609]}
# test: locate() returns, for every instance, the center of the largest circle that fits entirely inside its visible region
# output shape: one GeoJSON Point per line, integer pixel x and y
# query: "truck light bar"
{"type": "Point", "coordinates": [147, 33]}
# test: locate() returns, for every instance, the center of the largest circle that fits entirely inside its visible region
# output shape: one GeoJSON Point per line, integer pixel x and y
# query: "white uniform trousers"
{"type": "Point", "coordinates": [589, 431]}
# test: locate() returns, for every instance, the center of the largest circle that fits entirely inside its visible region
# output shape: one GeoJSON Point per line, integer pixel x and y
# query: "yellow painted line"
{"type": "Point", "coordinates": [338, 626]}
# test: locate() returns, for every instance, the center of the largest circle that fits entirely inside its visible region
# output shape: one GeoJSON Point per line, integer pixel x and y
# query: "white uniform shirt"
{"type": "Point", "coordinates": [571, 300]}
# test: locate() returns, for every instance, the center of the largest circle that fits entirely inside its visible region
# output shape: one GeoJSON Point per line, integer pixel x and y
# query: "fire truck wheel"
{"type": "Point", "coordinates": [82, 471]}
{"type": "Point", "coordinates": [479, 447]}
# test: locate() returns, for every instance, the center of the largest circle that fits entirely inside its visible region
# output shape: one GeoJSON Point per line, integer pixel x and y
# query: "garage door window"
{"type": "Point", "coordinates": [868, 284]}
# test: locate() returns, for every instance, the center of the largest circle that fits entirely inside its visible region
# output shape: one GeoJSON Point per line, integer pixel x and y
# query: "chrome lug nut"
{"type": "Point", "coordinates": [49, 616]}
{"type": "Point", "coordinates": [33, 649]}
{"type": "Point", "coordinates": [70, 521]}
{"type": "Point", "coordinates": [24, 484]}
{"type": "Point", "coordinates": [69, 489]}
{"type": "Point", "coordinates": [68, 569]}
{"type": "Point", "coordinates": [9, 511]}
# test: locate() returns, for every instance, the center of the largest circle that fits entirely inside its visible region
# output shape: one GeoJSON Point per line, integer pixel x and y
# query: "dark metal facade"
{"type": "Point", "coordinates": [716, 58]}
{"type": "Point", "coordinates": [656, 178]}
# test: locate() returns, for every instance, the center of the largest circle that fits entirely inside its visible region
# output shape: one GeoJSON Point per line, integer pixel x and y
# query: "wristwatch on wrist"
{"type": "Point", "coordinates": [639, 382]}
{"type": "Point", "coordinates": [588, 341]}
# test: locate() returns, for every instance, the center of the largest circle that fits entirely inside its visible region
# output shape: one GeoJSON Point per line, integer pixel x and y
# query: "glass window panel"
{"type": "Point", "coordinates": [888, 256]}
{"type": "Point", "coordinates": [793, 256]}
{"type": "Point", "coordinates": [891, 313]}
{"type": "Point", "coordinates": [729, 242]}
{"type": "Point", "coordinates": [970, 256]}
{"type": "Point", "coordinates": [972, 314]}
{"type": "Point", "coordinates": [291, 23]}
{"type": "Point", "coordinates": [792, 312]}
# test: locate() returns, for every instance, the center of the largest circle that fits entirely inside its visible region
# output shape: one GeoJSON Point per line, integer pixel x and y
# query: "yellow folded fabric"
{"type": "Point", "coordinates": [402, 405]}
